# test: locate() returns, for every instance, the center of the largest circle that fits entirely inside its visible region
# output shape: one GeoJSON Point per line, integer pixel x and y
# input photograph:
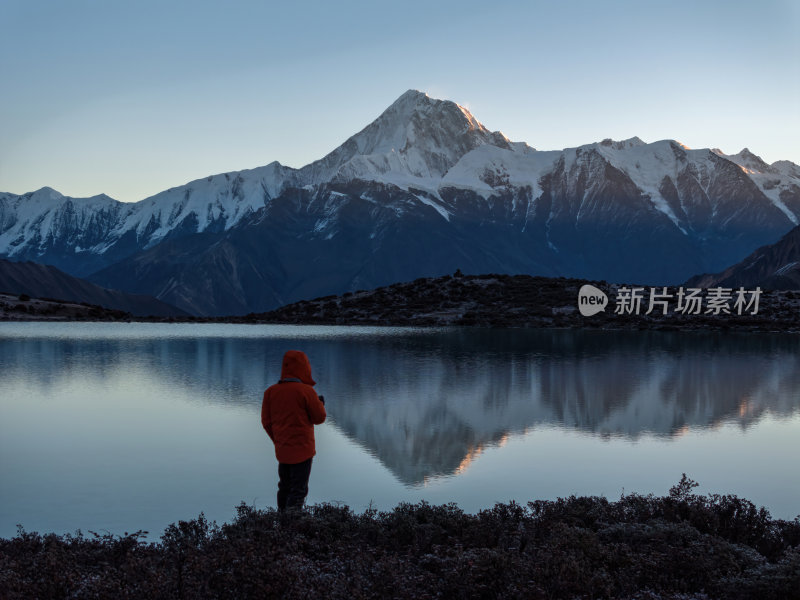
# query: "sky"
{"type": "Point", "coordinates": [131, 98]}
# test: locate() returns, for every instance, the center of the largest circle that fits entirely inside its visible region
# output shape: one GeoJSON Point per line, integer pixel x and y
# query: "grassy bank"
{"type": "Point", "coordinates": [678, 546]}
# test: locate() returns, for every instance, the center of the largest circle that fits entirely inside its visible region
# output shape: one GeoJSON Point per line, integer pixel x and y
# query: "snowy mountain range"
{"type": "Point", "coordinates": [421, 191]}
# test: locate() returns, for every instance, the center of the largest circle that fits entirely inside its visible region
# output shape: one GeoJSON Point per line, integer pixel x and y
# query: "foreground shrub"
{"type": "Point", "coordinates": [675, 547]}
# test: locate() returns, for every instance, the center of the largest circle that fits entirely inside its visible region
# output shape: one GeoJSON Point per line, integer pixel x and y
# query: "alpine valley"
{"type": "Point", "coordinates": [423, 190]}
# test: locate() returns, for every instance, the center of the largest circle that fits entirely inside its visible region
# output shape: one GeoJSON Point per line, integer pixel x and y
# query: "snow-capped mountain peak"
{"type": "Point", "coordinates": [47, 193]}
{"type": "Point", "coordinates": [417, 137]}
{"type": "Point", "coordinates": [633, 142]}
{"type": "Point", "coordinates": [750, 161]}
{"type": "Point", "coordinates": [780, 182]}
{"type": "Point", "coordinates": [787, 167]}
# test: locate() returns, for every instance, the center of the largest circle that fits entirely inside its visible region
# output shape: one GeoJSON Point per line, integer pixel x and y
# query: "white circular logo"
{"type": "Point", "coordinates": [591, 300]}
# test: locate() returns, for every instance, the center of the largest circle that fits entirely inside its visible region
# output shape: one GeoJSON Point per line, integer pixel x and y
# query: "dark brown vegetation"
{"type": "Point", "coordinates": [514, 301]}
{"type": "Point", "coordinates": [674, 547]}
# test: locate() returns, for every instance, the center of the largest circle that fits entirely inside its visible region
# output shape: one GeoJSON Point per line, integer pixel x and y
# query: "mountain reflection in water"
{"type": "Point", "coordinates": [425, 402]}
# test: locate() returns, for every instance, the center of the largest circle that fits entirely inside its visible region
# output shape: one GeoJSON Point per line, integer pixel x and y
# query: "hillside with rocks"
{"type": "Point", "coordinates": [497, 300]}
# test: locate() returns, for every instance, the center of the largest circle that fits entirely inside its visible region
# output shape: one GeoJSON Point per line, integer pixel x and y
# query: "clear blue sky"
{"type": "Point", "coordinates": [131, 98]}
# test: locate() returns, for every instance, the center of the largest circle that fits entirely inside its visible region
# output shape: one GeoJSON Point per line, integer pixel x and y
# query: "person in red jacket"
{"type": "Point", "coordinates": [289, 412]}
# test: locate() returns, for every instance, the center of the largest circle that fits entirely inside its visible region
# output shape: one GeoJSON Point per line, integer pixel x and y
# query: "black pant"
{"type": "Point", "coordinates": [293, 484]}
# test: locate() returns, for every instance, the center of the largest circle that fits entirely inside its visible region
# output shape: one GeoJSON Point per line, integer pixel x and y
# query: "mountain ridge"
{"type": "Point", "coordinates": [773, 267]}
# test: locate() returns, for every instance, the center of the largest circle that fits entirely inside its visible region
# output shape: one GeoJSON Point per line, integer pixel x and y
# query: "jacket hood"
{"type": "Point", "coordinates": [295, 364]}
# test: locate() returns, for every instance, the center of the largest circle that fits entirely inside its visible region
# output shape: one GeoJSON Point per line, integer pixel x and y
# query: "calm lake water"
{"type": "Point", "coordinates": [121, 427]}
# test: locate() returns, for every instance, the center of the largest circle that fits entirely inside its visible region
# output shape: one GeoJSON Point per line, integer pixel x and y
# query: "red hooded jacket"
{"type": "Point", "coordinates": [290, 410]}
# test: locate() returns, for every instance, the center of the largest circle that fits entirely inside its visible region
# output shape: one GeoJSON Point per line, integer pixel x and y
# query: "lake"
{"type": "Point", "coordinates": [115, 427]}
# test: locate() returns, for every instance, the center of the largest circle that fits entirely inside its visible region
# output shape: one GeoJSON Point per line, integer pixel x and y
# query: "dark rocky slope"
{"type": "Point", "coordinates": [45, 281]}
{"type": "Point", "coordinates": [773, 267]}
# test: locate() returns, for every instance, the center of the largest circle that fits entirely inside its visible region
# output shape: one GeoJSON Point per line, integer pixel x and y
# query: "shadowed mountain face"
{"type": "Point", "coordinates": [773, 267]}
{"type": "Point", "coordinates": [423, 190]}
{"type": "Point", "coordinates": [44, 281]}
{"type": "Point", "coordinates": [426, 403]}
{"type": "Point", "coordinates": [286, 255]}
